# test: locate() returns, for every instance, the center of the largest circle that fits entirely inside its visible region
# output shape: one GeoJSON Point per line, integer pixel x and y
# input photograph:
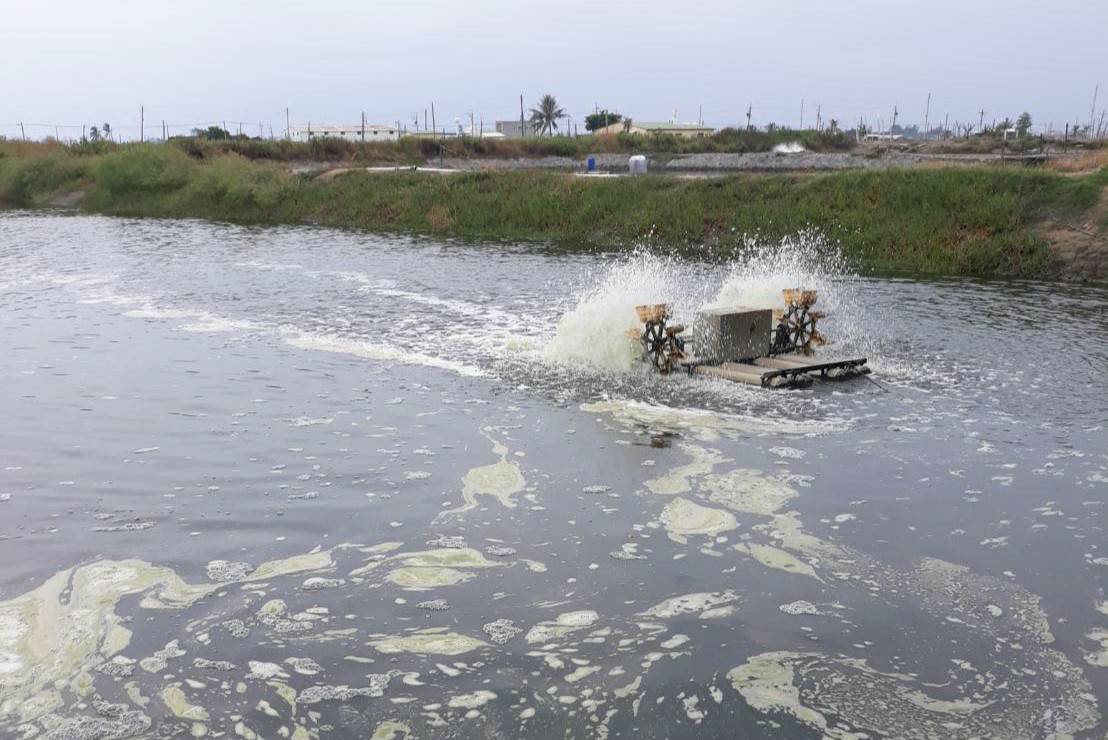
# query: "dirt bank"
{"type": "Point", "coordinates": [1080, 246]}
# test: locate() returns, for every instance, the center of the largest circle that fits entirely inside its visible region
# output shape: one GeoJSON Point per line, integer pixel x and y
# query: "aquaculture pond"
{"type": "Point", "coordinates": [306, 483]}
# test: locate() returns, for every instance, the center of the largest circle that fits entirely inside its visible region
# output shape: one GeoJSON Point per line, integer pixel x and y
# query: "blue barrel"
{"type": "Point", "coordinates": [590, 164]}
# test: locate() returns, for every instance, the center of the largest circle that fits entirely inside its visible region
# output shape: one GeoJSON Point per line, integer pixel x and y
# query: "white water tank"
{"type": "Point", "coordinates": [637, 164]}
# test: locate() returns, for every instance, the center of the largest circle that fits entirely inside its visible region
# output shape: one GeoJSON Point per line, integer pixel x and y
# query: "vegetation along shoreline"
{"type": "Point", "coordinates": [983, 220]}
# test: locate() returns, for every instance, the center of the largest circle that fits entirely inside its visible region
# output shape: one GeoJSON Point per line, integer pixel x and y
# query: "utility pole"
{"type": "Point", "coordinates": [22, 131]}
{"type": "Point", "coordinates": [802, 114]}
{"type": "Point", "coordinates": [434, 125]}
{"type": "Point", "coordinates": [895, 112]}
{"type": "Point", "coordinates": [1092, 111]}
{"type": "Point", "coordinates": [749, 110]}
{"type": "Point", "coordinates": [819, 114]}
{"type": "Point", "coordinates": [363, 126]}
{"type": "Point", "coordinates": [164, 138]}
{"type": "Point", "coordinates": [700, 116]}
{"type": "Point", "coordinates": [142, 124]}
{"type": "Point", "coordinates": [981, 120]}
{"type": "Point", "coordinates": [522, 125]}
{"type": "Point", "coordinates": [288, 129]}
{"type": "Point", "coordinates": [926, 117]}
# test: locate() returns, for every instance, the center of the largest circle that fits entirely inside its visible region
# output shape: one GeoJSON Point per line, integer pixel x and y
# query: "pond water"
{"type": "Point", "coordinates": [305, 483]}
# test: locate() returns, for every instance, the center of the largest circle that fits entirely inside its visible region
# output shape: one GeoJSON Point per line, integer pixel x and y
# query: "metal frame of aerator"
{"type": "Point", "coordinates": [795, 332]}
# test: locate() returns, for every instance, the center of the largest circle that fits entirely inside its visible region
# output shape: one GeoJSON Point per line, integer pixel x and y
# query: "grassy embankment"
{"type": "Point", "coordinates": [975, 221]}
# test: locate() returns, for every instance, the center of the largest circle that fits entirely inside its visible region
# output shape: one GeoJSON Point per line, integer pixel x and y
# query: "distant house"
{"type": "Point", "coordinates": [448, 134]}
{"type": "Point", "coordinates": [352, 132]}
{"type": "Point", "coordinates": [687, 130]}
{"type": "Point", "coordinates": [512, 129]}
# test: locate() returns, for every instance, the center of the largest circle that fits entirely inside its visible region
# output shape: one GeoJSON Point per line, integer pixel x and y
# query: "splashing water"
{"type": "Point", "coordinates": [792, 147]}
{"type": "Point", "coordinates": [594, 332]}
{"type": "Point", "coordinates": [756, 277]}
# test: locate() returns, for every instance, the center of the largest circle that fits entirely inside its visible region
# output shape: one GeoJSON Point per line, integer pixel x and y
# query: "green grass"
{"type": "Point", "coordinates": [964, 221]}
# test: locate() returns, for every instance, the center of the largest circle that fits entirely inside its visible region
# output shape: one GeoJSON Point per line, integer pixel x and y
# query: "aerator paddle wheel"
{"type": "Point", "coordinates": [758, 346]}
{"type": "Point", "coordinates": [662, 344]}
{"type": "Point", "coordinates": [796, 325]}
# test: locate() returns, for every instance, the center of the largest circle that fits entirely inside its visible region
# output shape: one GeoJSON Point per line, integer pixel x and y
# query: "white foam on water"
{"type": "Point", "coordinates": [375, 351]}
{"type": "Point", "coordinates": [707, 424]}
{"type": "Point", "coordinates": [153, 312]}
{"type": "Point", "coordinates": [212, 324]}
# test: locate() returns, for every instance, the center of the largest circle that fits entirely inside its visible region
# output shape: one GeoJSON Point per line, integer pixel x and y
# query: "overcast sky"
{"type": "Point", "coordinates": [192, 61]}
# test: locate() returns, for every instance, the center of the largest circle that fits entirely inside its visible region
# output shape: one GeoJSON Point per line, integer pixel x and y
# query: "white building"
{"type": "Point", "coordinates": [352, 132]}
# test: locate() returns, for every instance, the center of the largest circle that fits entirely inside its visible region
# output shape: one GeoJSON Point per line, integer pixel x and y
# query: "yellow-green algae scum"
{"type": "Point", "coordinates": [1028, 688]}
{"type": "Point", "coordinates": [75, 662]}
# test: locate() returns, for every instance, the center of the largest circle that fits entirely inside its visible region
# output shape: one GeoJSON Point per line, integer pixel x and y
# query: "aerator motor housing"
{"type": "Point", "coordinates": [737, 334]}
{"type": "Point", "coordinates": [764, 347]}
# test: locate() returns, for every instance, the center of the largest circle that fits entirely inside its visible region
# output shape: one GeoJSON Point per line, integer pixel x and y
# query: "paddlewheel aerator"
{"type": "Point", "coordinates": [796, 325]}
{"type": "Point", "coordinates": [662, 344]}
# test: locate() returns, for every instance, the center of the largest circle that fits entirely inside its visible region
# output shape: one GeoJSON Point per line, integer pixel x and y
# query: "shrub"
{"type": "Point", "coordinates": [27, 180]}
{"type": "Point", "coordinates": [143, 168]}
{"type": "Point", "coordinates": [232, 186]}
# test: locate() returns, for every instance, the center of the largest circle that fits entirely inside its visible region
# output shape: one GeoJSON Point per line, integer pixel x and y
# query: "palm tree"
{"type": "Point", "coordinates": [544, 119]}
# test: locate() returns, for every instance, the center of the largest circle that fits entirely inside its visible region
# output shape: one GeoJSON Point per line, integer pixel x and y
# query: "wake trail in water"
{"type": "Point", "coordinates": [569, 337]}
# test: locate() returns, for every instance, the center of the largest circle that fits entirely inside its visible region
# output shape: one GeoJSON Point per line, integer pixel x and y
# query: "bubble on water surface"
{"type": "Point", "coordinates": [159, 661]}
{"type": "Point", "coordinates": [434, 605]}
{"type": "Point", "coordinates": [378, 683]}
{"type": "Point", "coordinates": [222, 571]}
{"type": "Point", "coordinates": [796, 608]}
{"type": "Point", "coordinates": [318, 583]}
{"type": "Point", "coordinates": [501, 630]}
{"type": "Point", "coordinates": [832, 696]}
